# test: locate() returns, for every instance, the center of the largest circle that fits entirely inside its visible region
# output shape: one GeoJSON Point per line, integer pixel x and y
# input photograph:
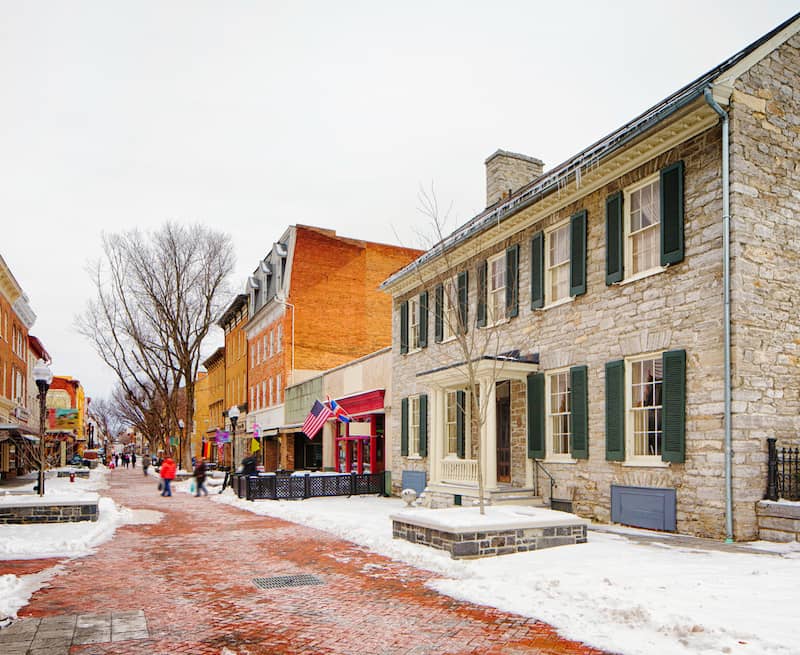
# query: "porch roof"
{"type": "Point", "coordinates": [499, 367]}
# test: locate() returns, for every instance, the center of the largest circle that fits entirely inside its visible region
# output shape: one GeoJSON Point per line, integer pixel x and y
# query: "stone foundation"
{"type": "Point", "coordinates": [79, 473]}
{"type": "Point", "coordinates": [26, 512]}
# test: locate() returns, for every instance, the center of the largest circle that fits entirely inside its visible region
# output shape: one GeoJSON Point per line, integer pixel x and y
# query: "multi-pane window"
{"type": "Point", "coordinates": [643, 218]}
{"type": "Point", "coordinates": [559, 412]}
{"type": "Point", "coordinates": [496, 298]}
{"type": "Point", "coordinates": [263, 393]}
{"type": "Point", "coordinates": [271, 393]}
{"type": "Point", "coordinates": [278, 389]}
{"type": "Point", "coordinates": [413, 323]}
{"type": "Point", "coordinates": [413, 425]}
{"type": "Point", "coordinates": [558, 264]}
{"type": "Point", "coordinates": [279, 339]}
{"type": "Point", "coordinates": [645, 406]}
{"type": "Point", "coordinates": [271, 343]}
{"type": "Point", "coordinates": [451, 422]}
{"type": "Point", "coordinates": [450, 311]}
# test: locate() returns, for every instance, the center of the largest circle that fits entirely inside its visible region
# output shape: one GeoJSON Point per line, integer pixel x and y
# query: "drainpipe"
{"type": "Point", "coordinates": [726, 294]}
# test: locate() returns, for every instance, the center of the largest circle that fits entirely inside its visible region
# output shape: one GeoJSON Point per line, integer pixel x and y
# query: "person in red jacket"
{"type": "Point", "coordinates": [167, 475]}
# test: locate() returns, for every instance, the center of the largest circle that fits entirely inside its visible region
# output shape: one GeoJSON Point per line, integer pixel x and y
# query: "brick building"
{"type": "Point", "coordinates": [617, 367]}
{"type": "Point", "coordinates": [314, 304]}
{"type": "Point", "coordinates": [215, 365]}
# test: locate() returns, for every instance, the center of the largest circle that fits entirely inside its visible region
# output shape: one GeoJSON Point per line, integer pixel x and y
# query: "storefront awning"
{"type": "Point", "coordinates": [365, 402]}
{"type": "Point", "coordinates": [13, 430]}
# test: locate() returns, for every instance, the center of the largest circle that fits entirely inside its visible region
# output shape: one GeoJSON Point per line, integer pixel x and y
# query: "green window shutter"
{"type": "Point", "coordinates": [482, 273]}
{"type": "Point", "coordinates": [463, 300]}
{"type": "Point", "coordinates": [423, 425]}
{"type": "Point", "coordinates": [438, 309]}
{"type": "Point", "coordinates": [615, 234]}
{"type": "Point", "coordinates": [423, 319]}
{"type": "Point", "coordinates": [673, 399]}
{"type": "Point", "coordinates": [512, 281]}
{"type": "Point", "coordinates": [579, 403]}
{"type": "Point", "coordinates": [537, 271]}
{"type": "Point", "coordinates": [577, 254]}
{"type": "Point", "coordinates": [461, 423]}
{"type": "Point", "coordinates": [536, 415]}
{"type": "Point", "coordinates": [672, 214]}
{"type": "Point", "coordinates": [615, 411]}
{"type": "Point", "coordinates": [404, 427]}
{"type": "Point", "coordinates": [404, 328]}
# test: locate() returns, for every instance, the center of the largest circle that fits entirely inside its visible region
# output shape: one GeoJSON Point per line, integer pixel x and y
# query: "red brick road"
{"type": "Point", "coordinates": [192, 575]}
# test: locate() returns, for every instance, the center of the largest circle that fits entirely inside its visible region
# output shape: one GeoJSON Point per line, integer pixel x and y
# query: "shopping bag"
{"type": "Point", "coordinates": [192, 487]}
{"type": "Point", "coordinates": [160, 485]}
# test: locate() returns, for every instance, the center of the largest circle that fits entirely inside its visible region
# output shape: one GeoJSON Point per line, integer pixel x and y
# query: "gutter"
{"type": "Point", "coordinates": [726, 311]}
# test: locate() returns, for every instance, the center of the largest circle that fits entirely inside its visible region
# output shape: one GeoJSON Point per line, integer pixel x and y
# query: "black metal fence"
{"type": "Point", "coordinates": [783, 472]}
{"type": "Point", "coordinates": [297, 487]}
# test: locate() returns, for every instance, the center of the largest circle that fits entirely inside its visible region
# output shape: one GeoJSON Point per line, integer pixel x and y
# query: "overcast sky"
{"type": "Point", "coordinates": [251, 116]}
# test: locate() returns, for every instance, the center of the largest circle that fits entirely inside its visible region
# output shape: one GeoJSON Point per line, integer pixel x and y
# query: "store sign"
{"type": "Point", "coordinates": [22, 413]}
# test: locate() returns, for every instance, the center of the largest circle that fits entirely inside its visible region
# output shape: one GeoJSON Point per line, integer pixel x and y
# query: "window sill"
{"type": "Point", "coordinates": [489, 326]}
{"type": "Point", "coordinates": [559, 460]}
{"type": "Point", "coordinates": [414, 457]}
{"type": "Point", "coordinates": [642, 275]}
{"type": "Point", "coordinates": [557, 303]}
{"type": "Point", "coordinates": [655, 463]}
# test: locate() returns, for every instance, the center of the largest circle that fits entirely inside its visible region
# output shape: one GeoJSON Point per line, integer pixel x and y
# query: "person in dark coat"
{"type": "Point", "coordinates": [200, 477]}
{"type": "Point", "coordinates": [249, 466]}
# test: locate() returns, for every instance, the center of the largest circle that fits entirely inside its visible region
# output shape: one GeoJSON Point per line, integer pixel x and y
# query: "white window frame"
{"type": "Point", "coordinates": [413, 324]}
{"type": "Point", "coordinates": [630, 274]}
{"type": "Point", "coordinates": [453, 454]}
{"type": "Point", "coordinates": [271, 393]}
{"type": "Point", "coordinates": [263, 393]}
{"type": "Point", "coordinates": [279, 339]}
{"type": "Point", "coordinates": [413, 428]}
{"type": "Point", "coordinates": [271, 343]}
{"type": "Point", "coordinates": [450, 309]}
{"type": "Point", "coordinates": [631, 458]}
{"type": "Point", "coordinates": [550, 417]}
{"type": "Point", "coordinates": [549, 268]}
{"type": "Point", "coordinates": [278, 388]}
{"type": "Point", "coordinates": [492, 291]}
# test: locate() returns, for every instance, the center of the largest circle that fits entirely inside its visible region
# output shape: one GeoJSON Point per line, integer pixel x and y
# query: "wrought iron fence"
{"type": "Point", "coordinates": [296, 487]}
{"type": "Point", "coordinates": [783, 472]}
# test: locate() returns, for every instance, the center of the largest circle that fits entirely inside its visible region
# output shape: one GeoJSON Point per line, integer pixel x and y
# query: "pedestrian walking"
{"type": "Point", "coordinates": [133, 460]}
{"type": "Point", "coordinates": [116, 460]}
{"type": "Point", "coordinates": [145, 464]}
{"type": "Point", "coordinates": [168, 469]}
{"type": "Point", "coordinates": [200, 477]}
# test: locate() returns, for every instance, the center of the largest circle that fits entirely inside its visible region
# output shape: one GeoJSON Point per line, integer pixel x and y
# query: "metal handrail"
{"type": "Point", "coordinates": [552, 479]}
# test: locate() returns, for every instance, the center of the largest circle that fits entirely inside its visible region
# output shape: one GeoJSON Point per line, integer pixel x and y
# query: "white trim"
{"type": "Point", "coordinates": [641, 276]}
{"type": "Point", "coordinates": [548, 235]}
{"type": "Point", "coordinates": [626, 221]}
{"type": "Point", "coordinates": [491, 319]}
{"type": "Point", "coordinates": [631, 459]}
{"type": "Point", "coordinates": [558, 303]}
{"type": "Point", "coordinates": [549, 443]}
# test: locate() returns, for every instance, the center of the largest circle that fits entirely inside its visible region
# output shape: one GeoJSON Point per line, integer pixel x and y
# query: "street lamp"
{"type": "Point", "coordinates": [181, 425]}
{"type": "Point", "coordinates": [43, 376]}
{"type": "Point", "coordinates": [233, 415]}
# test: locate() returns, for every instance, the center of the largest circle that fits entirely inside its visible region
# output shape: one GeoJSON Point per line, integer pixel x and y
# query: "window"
{"type": "Point", "coordinates": [451, 422]}
{"type": "Point", "coordinates": [497, 289]}
{"type": "Point", "coordinates": [413, 425]}
{"type": "Point", "coordinates": [559, 413]}
{"type": "Point", "coordinates": [264, 346]}
{"type": "Point", "coordinates": [279, 339]}
{"type": "Point", "coordinates": [642, 226]}
{"type": "Point", "coordinates": [558, 264]}
{"type": "Point", "coordinates": [278, 389]}
{"type": "Point", "coordinates": [644, 407]}
{"type": "Point", "coordinates": [253, 397]}
{"type": "Point", "coordinates": [271, 343]}
{"type": "Point", "coordinates": [413, 324]}
{"type": "Point", "coordinates": [271, 393]}
{"type": "Point", "coordinates": [450, 308]}
{"type": "Point", "coordinates": [263, 393]}
{"type": "Point", "coordinates": [253, 358]}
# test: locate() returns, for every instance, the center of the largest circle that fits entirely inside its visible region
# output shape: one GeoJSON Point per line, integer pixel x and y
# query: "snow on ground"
{"type": "Point", "coordinates": [666, 597]}
{"type": "Point", "coordinates": [59, 539]}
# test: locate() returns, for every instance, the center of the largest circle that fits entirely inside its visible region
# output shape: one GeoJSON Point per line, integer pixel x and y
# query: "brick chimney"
{"type": "Point", "coordinates": [508, 171]}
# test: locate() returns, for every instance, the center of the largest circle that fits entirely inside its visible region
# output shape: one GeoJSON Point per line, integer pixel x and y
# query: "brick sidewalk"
{"type": "Point", "coordinates": [192, 575]}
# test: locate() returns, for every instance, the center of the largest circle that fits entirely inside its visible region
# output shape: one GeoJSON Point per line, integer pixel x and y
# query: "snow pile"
{"type": "Point", "coordinates": [613, 592]}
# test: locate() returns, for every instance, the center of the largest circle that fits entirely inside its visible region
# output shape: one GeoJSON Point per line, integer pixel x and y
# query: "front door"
{"type": "Point", "coordinates": [503, 395]}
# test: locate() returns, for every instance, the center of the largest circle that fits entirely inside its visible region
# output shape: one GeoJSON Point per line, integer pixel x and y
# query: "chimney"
{"type": "Point", "coordinates": [508, 171]}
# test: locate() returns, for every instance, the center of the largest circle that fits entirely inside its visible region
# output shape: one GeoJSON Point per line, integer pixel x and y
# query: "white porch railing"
{"type": "Point", "coordinates": [459, 470]}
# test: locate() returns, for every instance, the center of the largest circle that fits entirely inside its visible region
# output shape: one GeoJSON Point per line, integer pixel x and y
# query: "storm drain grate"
{"type": "Point", "coordinates": [277, 581]}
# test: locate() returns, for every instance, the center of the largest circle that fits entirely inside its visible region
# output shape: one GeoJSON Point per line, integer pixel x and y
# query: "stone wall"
{"type": "Point", "coordinates": [778, 521]}
{"type": "Point", "coordinates": [765, 270]}
{"type": "Point", "coordinates": [491, 543]}
{"type": "Point", "coordinates": [55, 513]}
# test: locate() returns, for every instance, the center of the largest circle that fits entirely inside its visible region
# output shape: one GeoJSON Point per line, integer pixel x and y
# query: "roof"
{"type": "Point", "coordinates": [218, 354]}
{"type": "Point", "coordinates": [38, 348]}
{"type": "Point", "coordinates": [595, 153]}
{"type": "Point", "coordinates": [236, 305]}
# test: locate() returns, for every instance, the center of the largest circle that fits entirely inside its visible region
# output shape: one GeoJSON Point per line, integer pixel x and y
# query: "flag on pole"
{"type": "Point", "coordinates": [254, 445]}
{"type": "Point", "coordinates": [316, 419]}
{"type": "Point", "coordinates": [338, 411]}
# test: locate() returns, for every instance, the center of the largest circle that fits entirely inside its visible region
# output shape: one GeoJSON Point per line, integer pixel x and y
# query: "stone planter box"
{"type": "Point", "coordinates": [79, 473]}
{"type": "Point", "coordinates": [464, 533]}
{"type": "Point", "coordinates": [22, 510]}
{"type": "Point", "coordinates": [778, 521]}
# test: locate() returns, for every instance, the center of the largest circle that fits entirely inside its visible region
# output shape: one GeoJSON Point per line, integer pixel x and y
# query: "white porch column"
{"type": "Point", "coordinates": [489, 434]}
{"type": "Point", "coordinates": [436, 432]}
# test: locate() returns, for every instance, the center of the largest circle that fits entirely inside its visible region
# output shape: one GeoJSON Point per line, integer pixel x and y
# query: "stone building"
{"type": "Point", "coordinates": [578, 329]}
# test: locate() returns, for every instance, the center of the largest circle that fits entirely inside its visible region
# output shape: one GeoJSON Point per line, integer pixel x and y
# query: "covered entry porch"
{"type": "Point", "coordinates": [480, 430]}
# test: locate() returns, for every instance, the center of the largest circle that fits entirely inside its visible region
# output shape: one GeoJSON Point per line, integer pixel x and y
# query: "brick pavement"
{"type": "Point", "coordinates": [192, 575]}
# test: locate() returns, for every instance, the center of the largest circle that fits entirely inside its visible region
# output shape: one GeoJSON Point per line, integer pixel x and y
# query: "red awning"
{"type": "Point", "coordinates": [367, 402]}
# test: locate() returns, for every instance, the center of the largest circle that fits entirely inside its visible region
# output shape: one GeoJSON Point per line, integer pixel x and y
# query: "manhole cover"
{"type": "Point", "coordinates": [286, 581]}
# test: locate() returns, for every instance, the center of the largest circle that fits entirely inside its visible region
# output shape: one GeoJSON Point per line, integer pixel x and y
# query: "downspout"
{"type": "Point", "coordinates": [726, 295]}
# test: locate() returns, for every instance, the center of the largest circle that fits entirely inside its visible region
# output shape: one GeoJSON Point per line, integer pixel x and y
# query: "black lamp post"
{"type": "Point", "coordinates": [233, 415]}
{"type": "Point", "coordinates": [181, 425]}
{"type": "Point", "coordinates": [43, 376]}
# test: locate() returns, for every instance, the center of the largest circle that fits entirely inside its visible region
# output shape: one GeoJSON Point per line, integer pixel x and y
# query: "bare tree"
{"type": "Point", "coordinates": [158, 295]}
{"type": "Point", "coordinates": [477, 350]}
{"type": "Point", "coordinates": [106, 416]}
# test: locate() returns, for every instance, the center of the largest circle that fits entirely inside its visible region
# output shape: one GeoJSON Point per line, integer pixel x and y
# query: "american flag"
{"type": "Point", "coordinates": [316, 419]}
